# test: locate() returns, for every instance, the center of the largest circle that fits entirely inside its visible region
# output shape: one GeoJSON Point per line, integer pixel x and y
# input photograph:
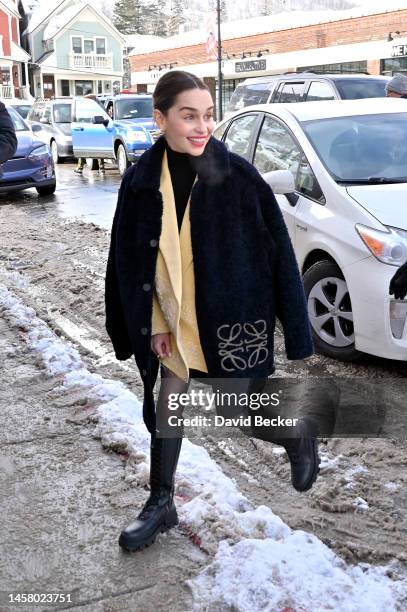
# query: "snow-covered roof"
{"type": "Point", "coordinates": [135, 40]}
{"type": "Point", "coordinates": [57, 22]}
{"type": "Point", "coordinates": [41, 12]}
{"type": "Point", "coordinates": [11, 5]}
{"type": "Point", "coordinates": [285, 20]}
{"type": "Point", "coordinates": [17, 53]}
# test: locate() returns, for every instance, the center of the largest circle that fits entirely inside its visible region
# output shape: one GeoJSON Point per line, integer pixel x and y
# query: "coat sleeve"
{"type": "Point", "coordinates": [8, 139]}
{"type": "Point", "coordinates": [115, 321]}
{"type": "Point", "coordinates": [290, 302]}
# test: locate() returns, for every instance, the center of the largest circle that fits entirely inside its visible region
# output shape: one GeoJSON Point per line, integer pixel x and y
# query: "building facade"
{"type": "Point", "coordinates": [13, 59]}
{"type": "Point", "coordinates": [352, 41]}
{"type": "Point", "coordinates": [75, 50]}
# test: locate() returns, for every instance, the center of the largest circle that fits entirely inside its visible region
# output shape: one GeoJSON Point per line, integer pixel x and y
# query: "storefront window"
{"type": "Point", "coordinates": [336, 68]}
{"type": "Point", "coordinates": [392, 65]}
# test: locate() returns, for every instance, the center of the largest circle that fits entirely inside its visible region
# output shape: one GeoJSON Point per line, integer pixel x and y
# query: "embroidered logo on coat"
{"type": "Point", "coordinates": [242, 346]}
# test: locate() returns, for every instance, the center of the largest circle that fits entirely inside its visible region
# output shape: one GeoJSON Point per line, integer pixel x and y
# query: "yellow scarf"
{"type": "Point", "coordinates": [174, 301]}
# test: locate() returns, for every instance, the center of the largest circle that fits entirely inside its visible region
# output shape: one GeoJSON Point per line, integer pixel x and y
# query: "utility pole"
{"type": "Point", "coordinates": [220, 75]}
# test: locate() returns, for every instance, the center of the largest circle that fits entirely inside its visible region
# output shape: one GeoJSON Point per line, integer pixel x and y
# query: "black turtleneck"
{"type": "Point", "coordinates": [182, 177]}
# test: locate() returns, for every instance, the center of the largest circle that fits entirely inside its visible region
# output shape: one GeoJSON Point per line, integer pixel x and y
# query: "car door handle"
{"type": "Point", "coordinates": [78, 129]}
{"type": "Point", "coordinates": [301, 227]}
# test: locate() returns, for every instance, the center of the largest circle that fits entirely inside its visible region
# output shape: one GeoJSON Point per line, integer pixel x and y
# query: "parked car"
{"type": "Point", "coordinates": [32, 164]}
{"type": "Point", "coordinates": [342, 188]}
{"type": "Point", "coordinates": [51, 122]}
{"type": "Point", "coordinates": [124, 139]}
{"type": "Point", "coordinates": [23, 107]}
{"type": "Point", "coordinates": [305, 87]}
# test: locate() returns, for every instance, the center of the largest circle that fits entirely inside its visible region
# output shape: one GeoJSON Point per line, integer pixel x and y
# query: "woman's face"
{"type": "Point", "coordinates": [189, 123]}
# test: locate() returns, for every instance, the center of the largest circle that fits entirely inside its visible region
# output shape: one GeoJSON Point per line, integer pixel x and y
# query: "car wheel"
{"type": "Point", "coordinates": [122, 161]}
{"type": "Point", "coordinates": [54, 153]}
{"type": "Point", "coordinates": [330, 311]}
{"type": "Point", "coordinates": [92, 164]}
{"type": "Point", "coordinates": [46, 191]}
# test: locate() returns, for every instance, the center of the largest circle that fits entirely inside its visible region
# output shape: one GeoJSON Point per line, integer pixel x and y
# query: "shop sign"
{"type": "Point", "coordinates": [250, 66]}
{"type": "Point", "coordinates": [399, 51]}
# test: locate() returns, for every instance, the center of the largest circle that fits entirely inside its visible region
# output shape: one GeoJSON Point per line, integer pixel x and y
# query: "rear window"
{"type": "Point", "coordinates": [249, 94]}
{"type": "Point", "coordinates": [353, 89]}
{"type": "Point", "coordinates": [62, 113]}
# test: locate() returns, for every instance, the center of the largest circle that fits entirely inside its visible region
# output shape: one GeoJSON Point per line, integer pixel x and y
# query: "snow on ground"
{"type": "Point", "coordinates": [259, 563]}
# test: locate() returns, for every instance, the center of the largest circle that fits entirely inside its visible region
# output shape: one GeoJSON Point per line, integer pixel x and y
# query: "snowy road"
{"type": "Point", "coordinates": [358, 506]}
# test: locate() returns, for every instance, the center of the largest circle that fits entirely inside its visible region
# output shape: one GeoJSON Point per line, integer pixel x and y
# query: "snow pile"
{"type": "Point", "coordinates": [294, 573]}
{"type": "Point", "coordinates": [259, 562]}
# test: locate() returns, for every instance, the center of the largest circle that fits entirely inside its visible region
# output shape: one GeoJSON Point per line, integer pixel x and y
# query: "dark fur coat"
{"type": "Point", "coordinates": [245, 269]}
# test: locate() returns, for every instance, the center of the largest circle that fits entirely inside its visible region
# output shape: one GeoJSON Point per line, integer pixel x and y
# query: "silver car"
{"type": "Point", "coordinates": [50, 120]}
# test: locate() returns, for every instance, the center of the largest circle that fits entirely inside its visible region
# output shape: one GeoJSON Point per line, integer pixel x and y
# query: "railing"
{"type": "Point", "coordinates": [91, 61]}
{"type": "Point", "coordinates": [9, 91]}
{"type": "Point", "coordinates": [6, 91]}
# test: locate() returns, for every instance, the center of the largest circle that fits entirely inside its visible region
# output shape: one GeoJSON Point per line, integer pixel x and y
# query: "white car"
{"type": "Point", "coordinates": [342, 188]}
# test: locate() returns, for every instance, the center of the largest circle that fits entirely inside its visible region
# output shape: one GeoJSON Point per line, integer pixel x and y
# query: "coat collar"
{"type": "Point", "coordinates": [212, 166]}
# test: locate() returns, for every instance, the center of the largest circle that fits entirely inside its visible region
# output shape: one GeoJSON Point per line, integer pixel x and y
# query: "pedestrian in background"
{"type": "Point", "coordinates": [397, 86]}
{"type": "Point", "coordinates": [82, 160]}
{"type": "Point", "coordinates": [8, 138]}
{"type": "Point", "coordinates": [200, 264]}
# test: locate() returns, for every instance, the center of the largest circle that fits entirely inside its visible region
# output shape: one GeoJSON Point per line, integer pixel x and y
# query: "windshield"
{"type": "Point", "coordinates": [62, 113]}
{"type": "Point", "coordinates": [354, 89]}
{"type": "Point", "coordinates": [359, 148]}
{"type": "Point", "coordinates": [18, 121]}
{"type": "Point", "coordinates": [247, 95]}
{"type": "Point", "coordinates": [134, 109]}
{"type": "Point", "coordinates": [23, 109]}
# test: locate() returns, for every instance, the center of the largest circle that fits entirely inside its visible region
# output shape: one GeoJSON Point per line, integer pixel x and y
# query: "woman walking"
{"type": "Point", "coordinates": [200, 264]}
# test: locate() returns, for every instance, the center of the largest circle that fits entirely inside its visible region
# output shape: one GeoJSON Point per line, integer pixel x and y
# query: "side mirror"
{"type": "Point", "coordinates": [281, 181]}
{"type": "Point", "coordinates": [99, 120]}
{"type": "Point", "coordinates": [36, 128]}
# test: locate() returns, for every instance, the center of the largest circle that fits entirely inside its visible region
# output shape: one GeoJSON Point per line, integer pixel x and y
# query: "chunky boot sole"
{"type": "Point", "coordinates": [317, 461]}
{"type": "Point", "coordinates": [171, 520]}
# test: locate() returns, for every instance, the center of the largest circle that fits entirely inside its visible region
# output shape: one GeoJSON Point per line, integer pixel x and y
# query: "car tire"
{"type": "Point", "coordinates": [46, 191]}
{"type": "Point", "coordinates": [330, 311]}
{"type": "Point", "coordinates": [92, 164]}
{"type": "Point", "coordinates": [54, 153]}
{"type": "Point", "coordinates": [122, 159]}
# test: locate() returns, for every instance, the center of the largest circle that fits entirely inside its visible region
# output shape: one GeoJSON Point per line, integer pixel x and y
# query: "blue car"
{"type": "Point", "coordinates": [31, 165]}
{"type": "Point", "coordinates": [123, 137]}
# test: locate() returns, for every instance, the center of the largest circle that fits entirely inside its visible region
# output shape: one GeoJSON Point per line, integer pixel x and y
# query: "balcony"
{"type": "Point", "coordinates": [91, 61]}
{"type": "Point", "coordinates": [9, 91]}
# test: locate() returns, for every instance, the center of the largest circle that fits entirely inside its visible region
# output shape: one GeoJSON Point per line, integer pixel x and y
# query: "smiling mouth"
{"type": "Point", "coordinates": [197, 140]}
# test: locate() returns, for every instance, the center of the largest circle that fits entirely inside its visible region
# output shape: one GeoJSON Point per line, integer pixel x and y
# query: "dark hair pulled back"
{"type": "Point", "coordinates": [171, 84]}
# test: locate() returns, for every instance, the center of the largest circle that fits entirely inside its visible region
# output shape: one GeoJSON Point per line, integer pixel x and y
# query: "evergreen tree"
{"type": "Point", "coordinates": [127, 17]}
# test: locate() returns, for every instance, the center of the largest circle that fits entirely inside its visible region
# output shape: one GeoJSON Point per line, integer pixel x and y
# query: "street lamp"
{"type": "Point", "coordinates": [220, 75]}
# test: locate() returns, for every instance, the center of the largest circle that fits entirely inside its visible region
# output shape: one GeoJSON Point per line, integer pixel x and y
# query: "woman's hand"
{"type": "Point", "coordinates": [398, 284]}
{"type": "Point", "coordinates": [161, 345]}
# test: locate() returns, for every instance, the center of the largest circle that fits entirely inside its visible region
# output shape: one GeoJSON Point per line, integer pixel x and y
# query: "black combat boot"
{"type": "Point", "coordinates": [303, 454]}
{"type": "Point", "coordinates": [159, 513]}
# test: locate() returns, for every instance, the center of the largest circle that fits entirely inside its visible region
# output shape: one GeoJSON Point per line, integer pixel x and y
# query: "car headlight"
{"type": "Point", "coordinates": [136, 136]}
{"type": "Point", "coordinates": [389, 247]}
{"type": "Point", "coordinates": [39, 151]}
